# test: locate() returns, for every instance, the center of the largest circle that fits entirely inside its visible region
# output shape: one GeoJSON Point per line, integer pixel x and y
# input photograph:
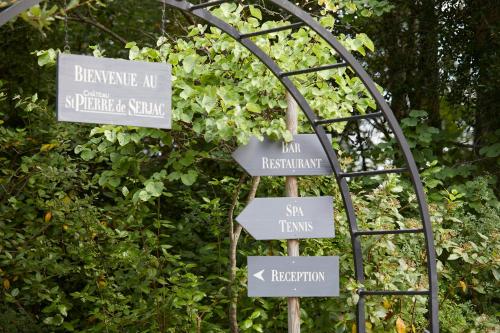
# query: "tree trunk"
{"type": "Point", "coordinates": [234, 236]}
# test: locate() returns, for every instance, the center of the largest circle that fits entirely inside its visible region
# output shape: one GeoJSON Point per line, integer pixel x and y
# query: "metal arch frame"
{"type": "Point", "coordinates": [202, 13]}
{"type": "Point", "coordinates": [199, 11]}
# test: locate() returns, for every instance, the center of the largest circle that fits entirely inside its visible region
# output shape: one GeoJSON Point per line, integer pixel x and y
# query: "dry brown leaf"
{"type": "Point", "coordinates": [48, 216]}
{"type": "Point", "coordinates": [6, 283]}
{"type": "Point", "coordinates": [463, 285]}
{"type": "Point", "coordinates": [400, 326]}
{"type": "Point", "coordinates": [47, 147]}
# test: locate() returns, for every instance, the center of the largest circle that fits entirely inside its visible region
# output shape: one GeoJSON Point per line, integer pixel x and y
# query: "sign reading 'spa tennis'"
{"type": "Point", "coordinates": [113, 91]}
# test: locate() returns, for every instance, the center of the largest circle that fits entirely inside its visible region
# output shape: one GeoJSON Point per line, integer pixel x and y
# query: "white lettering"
{"type": "Point", "coordinates": [292, 147]}
{"type": "Point", "coordinates": [292, 210]}
{"type": "Point", "coordinates": [91, 75]}
{"type": "Point", "coordinates": [265, 163]}
{"type": "Point", "coordinates": [296, 226]}
{"type": "Point", "coordinates": [69, 102]}
{"type": "Point", "coordinates": [291, 163]}
{"type": "Point", "coordinates": [145, 109]}
{"type": "Point", "coordinates": [150, 81]}
{"type": "Point", "coordinates": [297, 276]}
{"type": "Point", "coordinates": [78, 73]}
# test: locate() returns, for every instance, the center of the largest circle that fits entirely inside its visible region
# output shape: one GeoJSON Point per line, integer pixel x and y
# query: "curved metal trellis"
{"type": "Point", "coordinates": [200, 11]}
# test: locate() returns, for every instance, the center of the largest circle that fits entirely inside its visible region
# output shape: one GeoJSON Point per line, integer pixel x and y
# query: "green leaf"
{"type": "Point", "coordinates": [63, 310]}
{"type": "Point", "coordinates": [246, 324]}
{"type": "Point", "coordinates": [418, 114]}
{"type": "Point", "coordinates": [123, 138]}
{"type": "Point", "coordinates": [155, 188]}
{"type": "Point", "coordinates": [14, 292]}
{"type": "Point", "coordinates": [125, 191]}
{"type": "Point", "coordinates": [189, 62]}
{"type": "Point", "coordinates": [72, 4]}
{"type": "Point", "coordinates": [252, 107]}
{"type": "Point", "coordinates": [189, 178]}
{"type": "Point", "coordinates": [110, 135]}
{"type": "Point", "coordinates": [366, 13]}
{"type": "Point", "coordinates": [366, 41]}
{"type": "Point", "coordinates": [327, 21]}
{"type": "Point", "coordinates": [380, 312]}
{"type": "Point", "coordinates": [46, 57]}
{"type": "Point", "coordinates": [208, 103]}
{"type": "Point", "coordinates": [255, 12]}
{"type": "Point", "coordinates": [496, 274]}
{"type": "Point", "coordinates": [258, 328]}
{"type": "Point", "coordinates": [491, 151]}
{"type": "Point", "coordinates": [87, 154]}
{"type": "Point", "coordinates": [409, 122]}
{"type": "Point", "coordinates": [144, 195]}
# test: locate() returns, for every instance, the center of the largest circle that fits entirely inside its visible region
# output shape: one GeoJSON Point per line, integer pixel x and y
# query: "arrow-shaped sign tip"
{"type": "Point", "coordinates": [259, 276]}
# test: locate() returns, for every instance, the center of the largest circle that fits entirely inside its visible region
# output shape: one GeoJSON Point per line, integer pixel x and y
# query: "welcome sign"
{"type": "Point", "coordinates": [113, 91]}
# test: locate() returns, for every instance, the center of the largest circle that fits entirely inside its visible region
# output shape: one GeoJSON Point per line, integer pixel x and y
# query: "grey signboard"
{"type": "Point", "coordinates": [303, 156]}
{"type": "Point", "coordinates": [113, 91]}
{"type": "Point", "coordinates": [289, 218]}
{"type": "Point", "coordinates": [293, 276]}
{"type": "Point", "coordinates": [15, 9]}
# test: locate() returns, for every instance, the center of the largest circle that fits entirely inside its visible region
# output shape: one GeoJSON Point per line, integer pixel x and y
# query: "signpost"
{"type": "Point", "coordinates": [113, 91]}
{"type": "Point", "coordinates": [289, 218]}
{"type": "Point", "coordinates": [293, 276]}
{"type": "Point", "coordinates": [304, 156]}
{"type": "Point", "coordinates": [292, 190]}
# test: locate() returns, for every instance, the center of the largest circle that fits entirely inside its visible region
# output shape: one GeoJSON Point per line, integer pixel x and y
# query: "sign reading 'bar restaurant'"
{"type": "Point", "coordinates": [293, 276]}
{"type": "Point", "coordinates": [304, 156]}
{"type": "Point", "coordinates": [113, 91]}
{"type": "Point", "coordinates": [288, 218]}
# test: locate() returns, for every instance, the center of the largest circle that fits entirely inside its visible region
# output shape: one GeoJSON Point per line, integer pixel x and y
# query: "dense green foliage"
{"type": "Point", "coordinates": [123, 229]}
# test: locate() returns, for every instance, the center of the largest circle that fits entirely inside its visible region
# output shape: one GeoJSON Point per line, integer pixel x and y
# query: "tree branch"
{"type": "Point", "coordinates": [96, 24]}
{"type": "Point", "coordinates": [234, 235]}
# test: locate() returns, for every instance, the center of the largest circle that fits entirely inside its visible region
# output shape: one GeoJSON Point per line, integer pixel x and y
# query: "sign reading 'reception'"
{"type": "Point", "coordinates": [289, 218]}
{"type": "Point", "coordinates": [113, 91]}
{"type": "Point", "coordinates": [304, 156]}
{"type": "Point", "coordinates": [293, 276]}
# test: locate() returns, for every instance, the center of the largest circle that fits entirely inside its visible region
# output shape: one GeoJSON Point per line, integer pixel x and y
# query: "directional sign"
{"type": "Point", "coordinates": [113, 91]}
{"type": "Point", "coordinates": [289, 218]}
{"type": "Point", "coordinates": [293, 276]}
{"type": "Point", "coordinates": [302, 157]}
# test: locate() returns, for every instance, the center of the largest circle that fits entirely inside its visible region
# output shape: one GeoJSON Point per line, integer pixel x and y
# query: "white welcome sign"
{"type": "Point", "coordinates": [113, 91]}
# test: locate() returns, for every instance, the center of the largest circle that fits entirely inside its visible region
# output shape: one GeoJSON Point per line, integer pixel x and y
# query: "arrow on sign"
{"type": "Point", "coordinates": [293, 276]}
{"type": "Point", "coordinates": [304, 156]}
{"type": "Point", "coordinates": [258, 275]}
{"type": "Point", "coordinates": [289, 218]}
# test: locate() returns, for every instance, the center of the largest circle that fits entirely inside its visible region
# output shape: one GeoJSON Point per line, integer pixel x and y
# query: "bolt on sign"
{"type": "Point", "coordinates": [113, 91]}
{"type": "Point", "coordinates": [293, 276]}
{"type": "Point", "coordinates": [289, 218]}
{"type": "Point", "coordinates": [304, 156]}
